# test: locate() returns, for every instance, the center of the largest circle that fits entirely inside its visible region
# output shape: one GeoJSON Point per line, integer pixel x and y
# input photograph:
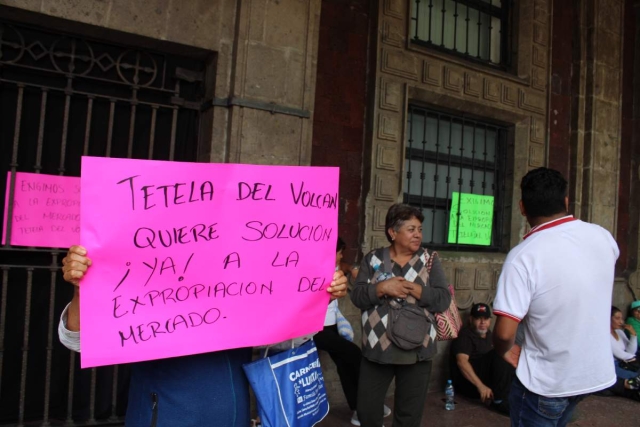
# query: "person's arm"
{"type": "Point", "coordinates": [74, 267]}
{"type": "Point", "coordinates": [510, 306]}
{"type": "Point", "coordinates": [618, 348]}
{"type": "Point", "coordinates": [635, 325]}
{"type": "Point", "coordinates": [462, 360]}
{"type": "Point", "coordinates": [73, 312]}
{"type": "Point", "coordinates": [504, 337]}
{"type": "Point", "coordinates": [68, 338]}
{"type": "Point", "coordinates": [435, 297]}
{"type": "Point", "coordinates": [632, 343]}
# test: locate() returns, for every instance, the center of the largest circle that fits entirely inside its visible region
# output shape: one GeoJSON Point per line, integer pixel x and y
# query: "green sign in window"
{"type": "Point", "coordinates": [476, 219]}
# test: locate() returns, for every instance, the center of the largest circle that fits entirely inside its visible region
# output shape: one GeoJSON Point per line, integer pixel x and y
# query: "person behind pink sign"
{"type": "Point", "coordinates": [197, 390]}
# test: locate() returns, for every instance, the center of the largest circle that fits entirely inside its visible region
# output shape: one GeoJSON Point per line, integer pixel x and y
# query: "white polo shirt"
{"type": "Point", "coordinates": [559, 283]}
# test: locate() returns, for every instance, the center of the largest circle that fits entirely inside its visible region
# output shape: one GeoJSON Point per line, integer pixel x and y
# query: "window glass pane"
{"type": "Point", "coordinates": [434, 225]}
{"type": "Point", "coordinates": [496, 3]}
{"type": "Point", "coordinates": [496, 34]}
{"type": "Point", "coordinates": [490, 148]}
{"type": "Point", "coordinates": [416, 129]}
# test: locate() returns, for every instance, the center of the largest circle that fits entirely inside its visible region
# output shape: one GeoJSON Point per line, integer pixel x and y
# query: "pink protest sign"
{"type": "Point", "coordinates": [194, 257]}
{"type": "Point", "coordinates": [46, 210]}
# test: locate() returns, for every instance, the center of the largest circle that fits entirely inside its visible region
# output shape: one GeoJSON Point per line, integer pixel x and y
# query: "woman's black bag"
{"type": "Point", "coordinates": [407, 322]}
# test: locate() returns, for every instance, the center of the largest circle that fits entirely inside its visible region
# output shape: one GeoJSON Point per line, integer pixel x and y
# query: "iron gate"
{"type": "Point", "coordinates": [61, 97]}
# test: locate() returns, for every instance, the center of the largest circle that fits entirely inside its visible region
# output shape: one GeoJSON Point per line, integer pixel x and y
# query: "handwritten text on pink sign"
{"type": "Point", "coordinates": [46, 210]}
{"type": "Point", "coordinates": [192, 257]}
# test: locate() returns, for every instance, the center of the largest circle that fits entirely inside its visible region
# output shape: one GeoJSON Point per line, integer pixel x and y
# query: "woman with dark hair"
{"type": "Point", "coordinates": [624, 355]}
{"type": "Point", "coordinates": [624, 349]}
{"type": "Point", "coordinates": [397, 275]}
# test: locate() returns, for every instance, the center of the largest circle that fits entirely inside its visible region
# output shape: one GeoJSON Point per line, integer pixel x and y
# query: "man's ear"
{"type": "Point", "coordinates": [522, 210]}
{"type": "Point", "coordinates": [566, 204]}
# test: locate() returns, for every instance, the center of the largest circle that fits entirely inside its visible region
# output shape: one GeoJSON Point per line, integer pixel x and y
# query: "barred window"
{"type": "Point", "coordinates": [476, 29]}
{"type": "Point", "coordinates": [454, 172]}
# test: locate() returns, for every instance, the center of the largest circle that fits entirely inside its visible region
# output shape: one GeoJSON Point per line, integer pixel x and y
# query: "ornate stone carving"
{"type": "Point", "coordinates": [538, 78]}
{"type": "Point", "coordinates": [482, 280]}
{"type": "Point", "coordinates": [378, 242]}
{"type": "Point", "coordinates": [492, 90]}
{"type": "Point", "coordinates": [462, 280]}
{"type": "Point", "coordinates": [391, 34]}
{"type": "Point", "coordinates": [532, 102]}
{"type": "Point", "coordinates": [541, 11]}
{"type": "Point", "coordinates": [390, 95]}
{"type": "Point", "coordinates": [399, 63]}
{"type": "Point", "coordinates": [379, 214]}
{"type": "Point", "coordinates": [387, 157]}
{"type": "Point", "coordinates": [472, 85]}
{"type": "Point", "coordinates": [509, 95]}
{"type": "Point", "coordinates": [540, 34]}
{"type": "Point", "coordinates": [453, 79]}
{"type": "Point", "coordinates": [537, 130]}
{"type": "Point", "coordinates": [385, 187]}
{"type": "Point", "coordinates": [394, 8]}
{"type": "Point", "coordinates": [432, 73]}
{"type": "Point", "coordinates": [388, 127]}
{"type": "Point", "coordinates": [539, 56]}
{"type": "Point", "coordinates": [536, 154]}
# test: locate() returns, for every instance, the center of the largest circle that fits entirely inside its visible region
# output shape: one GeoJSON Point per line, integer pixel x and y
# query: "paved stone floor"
{"type": "Point", "coordinates": [595, 411]}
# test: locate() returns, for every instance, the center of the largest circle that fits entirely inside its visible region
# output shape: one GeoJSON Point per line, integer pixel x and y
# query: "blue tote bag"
{"type": "Point", "coordinates": [289, 387]}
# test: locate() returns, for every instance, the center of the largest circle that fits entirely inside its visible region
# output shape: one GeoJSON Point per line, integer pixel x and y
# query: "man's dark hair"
{"type": "Point", "coordinates": [397, 215]}
{"type": "Point", "coordinates": [543, 192]}
{"type": "Point", "coordinates": [340, 245]}
{"type": "Point", "coordinates": [615, 310]}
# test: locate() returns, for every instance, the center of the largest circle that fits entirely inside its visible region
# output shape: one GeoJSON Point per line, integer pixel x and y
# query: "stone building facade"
{"type": "Point", "coordinates": [404, 76]}
{"type": "Point", "coordinates": [350, 83]}
{"type": "Point", "coordinates": [564, 99]}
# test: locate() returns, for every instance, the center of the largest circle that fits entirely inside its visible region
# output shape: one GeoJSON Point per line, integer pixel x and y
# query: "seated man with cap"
{"type": "Point", "coordinates": [477, 370]}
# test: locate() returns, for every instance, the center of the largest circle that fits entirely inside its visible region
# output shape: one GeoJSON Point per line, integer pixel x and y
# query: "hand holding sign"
{"type": "Point", "coordinates": [75, 264]}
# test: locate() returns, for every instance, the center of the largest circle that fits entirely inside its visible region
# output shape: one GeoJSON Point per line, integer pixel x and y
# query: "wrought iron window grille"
{"type": "Point", "coordinates": [61, 97]}
{"type": "Point", "coordinates": [448, 157]}
{"type": "Point", "coordinates": [477, 30]}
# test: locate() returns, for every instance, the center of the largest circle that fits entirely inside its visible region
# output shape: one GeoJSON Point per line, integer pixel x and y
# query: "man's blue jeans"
{"type": "Point", "coordinates": [532, 410]}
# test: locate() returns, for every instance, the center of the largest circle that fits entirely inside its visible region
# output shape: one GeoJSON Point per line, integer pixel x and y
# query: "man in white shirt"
{"type": "Point", "coordinates": [558, 282]}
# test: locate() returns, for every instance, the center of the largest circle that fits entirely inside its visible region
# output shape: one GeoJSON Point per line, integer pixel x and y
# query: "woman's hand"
{"type": "Point", "coordinates": [338, 288]}
{"type": "Point", "coordinates": [74, 267]}
{"type": "Point", "coordinates": [630, 329]}
{"type": "Point", "coordinates": [396, 287]}
{"type": "Point", "coordinates": [75, 264]}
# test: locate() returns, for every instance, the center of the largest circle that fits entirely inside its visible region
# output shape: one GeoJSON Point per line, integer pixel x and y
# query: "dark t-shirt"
{"type": "Point", "coordinates": [470, 343]}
